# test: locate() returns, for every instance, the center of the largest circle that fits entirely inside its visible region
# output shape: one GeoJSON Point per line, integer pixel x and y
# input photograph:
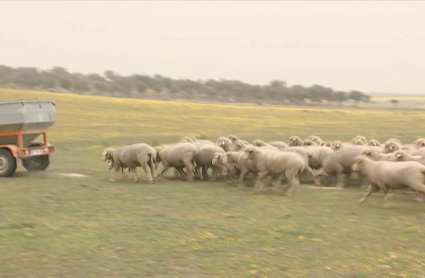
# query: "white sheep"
{"type": "Point", "coordinates": [180, 155]}
{"type": "Point", "coordinates": [132, 156]}
{"type": "Point", "coordinates": [276, 164]}
{"type": "Point", "coordinates": [385, 175]}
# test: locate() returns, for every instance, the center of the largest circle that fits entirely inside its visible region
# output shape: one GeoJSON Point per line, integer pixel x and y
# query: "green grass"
{"type": "Point", "coordinates": [52, 225]}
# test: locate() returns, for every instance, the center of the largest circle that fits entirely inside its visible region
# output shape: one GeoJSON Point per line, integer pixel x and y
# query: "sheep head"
{"type": "Point", "coordinates": [391, 146]}
{"type": "Point", "coordinates": [107, 154]}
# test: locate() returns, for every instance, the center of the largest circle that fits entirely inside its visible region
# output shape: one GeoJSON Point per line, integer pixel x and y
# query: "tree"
{"type": "Point", "coordinates": [135, 85]}
{"type": "Point", "coordinates": [394, 101]}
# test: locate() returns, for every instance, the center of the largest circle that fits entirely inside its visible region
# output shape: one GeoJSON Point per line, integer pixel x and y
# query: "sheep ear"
{"type": "Point", "coordinates": [391, 148]}
{"type": "Point", "coordinates": [337, 145]}
{"type": "Point", "coordinates": [399, 156]}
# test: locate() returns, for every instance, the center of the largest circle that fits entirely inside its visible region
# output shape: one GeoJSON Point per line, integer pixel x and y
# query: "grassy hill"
{"type": "Point", "coordinates": [106, 120]}
{"type": "Point", "coordinates": [53, 224]}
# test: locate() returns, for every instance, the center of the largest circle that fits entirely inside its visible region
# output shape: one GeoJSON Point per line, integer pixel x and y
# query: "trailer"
{"type": "Point", "coordinates": [21, 122]}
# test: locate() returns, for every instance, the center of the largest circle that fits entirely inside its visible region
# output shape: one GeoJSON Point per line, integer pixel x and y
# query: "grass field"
{"type": "Point", "coordinates": [57, 226]}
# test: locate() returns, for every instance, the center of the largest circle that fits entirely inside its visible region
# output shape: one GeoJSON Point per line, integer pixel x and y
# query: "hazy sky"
{"type": "Point", "coordinates": [369, 46]}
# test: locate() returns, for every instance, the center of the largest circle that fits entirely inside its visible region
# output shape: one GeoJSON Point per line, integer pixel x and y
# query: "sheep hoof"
{"type": "Point", "coordinates": [136, 180]}
{"type": "Point", "coordinates": [151, 181]}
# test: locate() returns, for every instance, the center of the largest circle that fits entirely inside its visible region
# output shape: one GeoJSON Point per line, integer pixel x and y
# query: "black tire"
{"type": "Point", "coordinates": [7, 163]}
{"type": "Point", "coordinates": [36, 163]}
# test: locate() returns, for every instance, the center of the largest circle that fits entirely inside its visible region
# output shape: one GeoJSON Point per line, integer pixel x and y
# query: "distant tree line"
{"type": "Point", "coordinates": [109, 83]}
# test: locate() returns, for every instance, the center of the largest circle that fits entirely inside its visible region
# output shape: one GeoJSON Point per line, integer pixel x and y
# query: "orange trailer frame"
{"type": "Point", "coordinates": [19, 151]}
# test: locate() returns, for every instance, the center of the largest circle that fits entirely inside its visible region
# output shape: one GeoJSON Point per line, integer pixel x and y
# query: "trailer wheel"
{"type": "Point", "coordinates": [36, 163]}
{"type": "Point", "coordinates": [7, 163]}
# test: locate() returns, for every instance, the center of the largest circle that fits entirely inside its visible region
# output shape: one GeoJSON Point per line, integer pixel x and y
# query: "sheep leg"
{"type": "Point", "coordinates": [148, 172]}
{"type": "Point", "coordinates": [340, 177]}
{"type": "Point", "coordinates": [311, 172]}
{"type": "Point", "coordinates": [265, 182]}
{"type": "Point", "coordinates": [176, 173]}
{"type": "Point", "coordinates": [164, 170]}
{"type": "Point", "coordinates": [371, 189]}
{"type": "Point", "coordinates": [293, 183]}
{"type": "Point", "coordinates": [190, 170]}
{"type": "Point", "coordinates": [420, 190]}
{"type": "Point", "coordinates": [260, 183]}
{"type": "Point", "coordinates": [279, 180]}
{"type": "Point", "coordinates": [205, 172]}
{"type": "Point", "coordinates": [134, 172]}
{"type": "Point", "coordinates": [215, 173]}
{"type": "Point", "coordinates": [240, 181]}
{"type": "Point", "coordinates": [151, 168]}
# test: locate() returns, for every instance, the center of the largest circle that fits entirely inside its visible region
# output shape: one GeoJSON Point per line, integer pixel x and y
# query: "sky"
{"type": "Point", "coordinates": [346, 45]}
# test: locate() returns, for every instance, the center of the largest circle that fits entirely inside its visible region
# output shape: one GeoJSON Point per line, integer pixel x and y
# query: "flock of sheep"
{"type": "Point", "coordinates": [380, 166]}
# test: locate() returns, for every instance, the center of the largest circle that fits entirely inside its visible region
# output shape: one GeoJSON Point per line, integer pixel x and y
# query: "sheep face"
{"type": "Point", "coordinates": [336, 145]}
{"type": "Point", "coordinates": [398, 156]}
{"type": "Point", "coordinates": [258, 143]}
{"type": "Point", "coordinates": [309, 142]}
{"type": "Point", "coordinates": [326, 144]}
{"type": "Point", "coordinates": [251, 152]}
{"type": "Point", "coordinates": [419, 143]}
{"type": "Point", "coordinates": [110, 164]}
{"type": "Point", "coordinates": [107, 154]}
{"type": "Point", "coordinates": [217, 158]}
{"type": "Point", "coordinates": [390, 146]}
{"type": "Point", "coordinates": [357, 164]}
{"type": "Point", "coordinates": [316, 139]}
{"type": "Point", "coordinates": [294, 141]}
{"type": "Point", "coordinates": [374, 143]}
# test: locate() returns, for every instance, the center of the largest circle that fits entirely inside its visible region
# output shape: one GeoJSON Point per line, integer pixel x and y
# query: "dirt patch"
{"type": "Point", "coordinates": [73, 175]}
{"type": "Point", "coordinates": [321, 187]}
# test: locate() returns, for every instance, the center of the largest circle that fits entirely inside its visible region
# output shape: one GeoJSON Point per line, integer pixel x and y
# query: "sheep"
{"type": "Point", "coordinates": [419, 143]}
{"type": "Point", "coordinates": [326, 144]}
{"type": "Point", "coordinates": [132, 156]}
{"type": "Point", "coordinates": [318, 155]}
{"type": "Point", "coordinates": [339, 163]}
{"type": "Point", "coordinates": [271, 164]}
{"type": "Point", "coordinates": [239, 162]}
{"type": "Point", "coordinates": [376, 156]}
{"type": "Point", "coordinates": [180, 155]}
{"type": "Point", "coordinates": [404, 156]}
{"type": "Point", "coordinates": [373, 143]}
{"type": "Point", "coordinates": [227, 145]}
{"type": "Point", "coordinates": [418, 152]}
{"type": "Point", "coordinates": [391, 146]}
{"type": "Point", "coordinates": [204, 158]}
{"type": "Point", "coordinates": [359, 140]}
{"type": "Point", "coordinates": [316, 139]}
{"type": "Point", "coordinates": [385, 175]}
{"type": "Point", "coordinates": [306, 155]}
{"type": "Point", "coordinates": [220, 160]}
{"type": "Point", "coordinates": [309, 142]}
{"type": "Point", "coordinates": [193, 139]}
{"type": "Point", "coordinates": [261, 143]}
{"type": "Point", "coordinates": [337, 144]}
{"type": "Point", "coordinates": [294, 141]}
{"type": "Point", "coordinates": [279, 144]}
